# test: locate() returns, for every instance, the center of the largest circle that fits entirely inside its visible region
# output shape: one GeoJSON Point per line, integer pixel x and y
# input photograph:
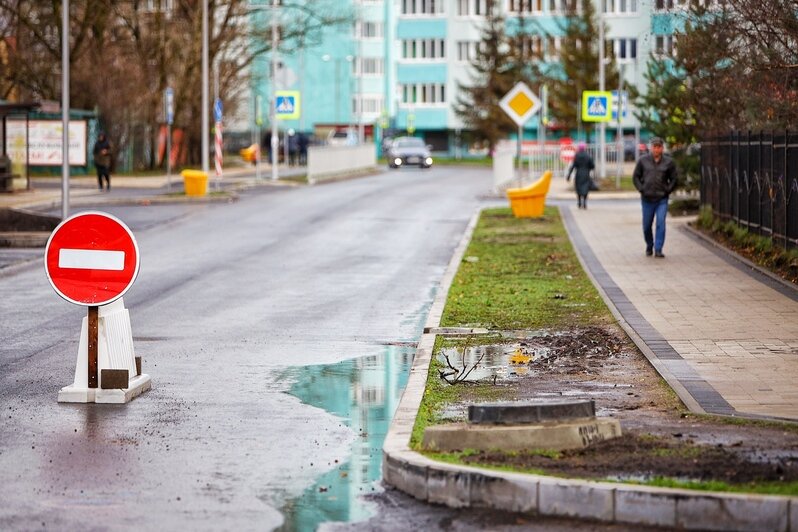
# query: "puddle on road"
{"type": "Point", "coordinates": [364, 392]}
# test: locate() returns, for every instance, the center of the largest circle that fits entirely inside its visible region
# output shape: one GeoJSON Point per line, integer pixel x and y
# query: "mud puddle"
{"type": "Point", "coordinates": [660, 438]}
{"type": "Point", "coordinates": [364, 393]}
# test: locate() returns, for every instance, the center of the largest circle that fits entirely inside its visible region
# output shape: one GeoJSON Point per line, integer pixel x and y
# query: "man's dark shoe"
{"type": "Point", "coordinates": [649, 252]}
{"type": "Point", "coordinates": [659, 255]}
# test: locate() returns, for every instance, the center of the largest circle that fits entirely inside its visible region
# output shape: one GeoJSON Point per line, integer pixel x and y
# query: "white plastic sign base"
{"type": "Point", "coordinates": [74, 394]}
{"type": "Point", "coordinates": [114, 351]}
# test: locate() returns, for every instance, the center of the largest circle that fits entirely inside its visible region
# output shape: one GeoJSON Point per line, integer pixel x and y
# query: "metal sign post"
{"type": "Point", "coordinates": [169, 104]}
{"type": "Point", "coordinates": [520, 104]}
{"type": "Point", "coordinates": [258, 124]}
{"type": "Point", "coordinates": [92, 259]}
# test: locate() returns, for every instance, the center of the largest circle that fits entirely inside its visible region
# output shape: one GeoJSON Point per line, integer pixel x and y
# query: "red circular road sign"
{"type": "Point", "coordinates": [567, 153]}
{"type": "Point", "coordinates": [91, 259]}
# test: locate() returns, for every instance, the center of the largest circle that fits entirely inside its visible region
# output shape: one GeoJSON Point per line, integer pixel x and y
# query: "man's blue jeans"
{"type": "Point", "coordinates": [651, 209]}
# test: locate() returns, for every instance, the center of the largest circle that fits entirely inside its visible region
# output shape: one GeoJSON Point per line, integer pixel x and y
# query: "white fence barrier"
{"type": "Point", "coordinates": [330, 162]}
{"type": "Point", "coordinates": [536, 159]}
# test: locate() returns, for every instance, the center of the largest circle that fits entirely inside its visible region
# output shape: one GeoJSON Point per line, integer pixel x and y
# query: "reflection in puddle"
{"type": "Point", "coordinates": [364, 392]}
{"type": "Point", "coordinates": [489, 361]}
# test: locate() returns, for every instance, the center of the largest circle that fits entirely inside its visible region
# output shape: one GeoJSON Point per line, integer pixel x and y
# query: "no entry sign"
{"type": "Point", "coordinates": [91, 259]}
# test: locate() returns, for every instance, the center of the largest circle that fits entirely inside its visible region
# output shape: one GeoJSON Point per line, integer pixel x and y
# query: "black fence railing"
{"type": "Point", "coordinates": [752, 179]}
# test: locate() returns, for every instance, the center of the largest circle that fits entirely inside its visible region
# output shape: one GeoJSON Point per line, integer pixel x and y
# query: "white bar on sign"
{"type": "Point", "coordinates": [91, 259]}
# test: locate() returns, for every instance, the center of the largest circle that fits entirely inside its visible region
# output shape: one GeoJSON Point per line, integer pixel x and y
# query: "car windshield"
{"type": "Point", "coordinates": [409, 143]}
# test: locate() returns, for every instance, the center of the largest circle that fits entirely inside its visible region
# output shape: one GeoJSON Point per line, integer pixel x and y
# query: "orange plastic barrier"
{"type": "Point", "coordinates": [528, 202]}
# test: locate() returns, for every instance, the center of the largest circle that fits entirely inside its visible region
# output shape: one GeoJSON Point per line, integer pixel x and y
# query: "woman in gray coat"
{"type": "Point", "coordinates": [583, 164]}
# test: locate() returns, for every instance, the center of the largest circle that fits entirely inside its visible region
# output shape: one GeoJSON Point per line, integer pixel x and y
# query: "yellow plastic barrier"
{"type": "Point", "coordinates": [528, 202]}
{"type": "Point", "coordinates": [195, 182]}
{"type": "Point", "coordinates": [249, 154]}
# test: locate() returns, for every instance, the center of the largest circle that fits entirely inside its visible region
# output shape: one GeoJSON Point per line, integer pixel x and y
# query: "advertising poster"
{"type": "Point", "coordinates": [45, 142]}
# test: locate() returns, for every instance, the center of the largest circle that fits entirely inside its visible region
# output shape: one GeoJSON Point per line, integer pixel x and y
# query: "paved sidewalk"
{"type": "Point", "coordinates": [724, 336]}
{"type": "Point", "coordinates": [46, 191]}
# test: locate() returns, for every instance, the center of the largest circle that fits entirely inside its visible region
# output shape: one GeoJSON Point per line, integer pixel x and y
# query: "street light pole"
{"type": "Point", "coordinates": [275, 141]}
{"type": "Point", "coordinates": [602, 131]}
{"type": "Point", "coordinates": [205, 126]}
{"type": "Point", "coordinates": [65, 109]}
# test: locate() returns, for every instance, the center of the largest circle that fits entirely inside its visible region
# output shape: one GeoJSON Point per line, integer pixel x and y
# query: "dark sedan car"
{"type": "Point", "coordinates": [405, 151]}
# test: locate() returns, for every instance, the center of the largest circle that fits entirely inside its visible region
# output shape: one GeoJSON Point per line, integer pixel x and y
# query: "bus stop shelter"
{"type": "Point", "coordinates": [6, 172]}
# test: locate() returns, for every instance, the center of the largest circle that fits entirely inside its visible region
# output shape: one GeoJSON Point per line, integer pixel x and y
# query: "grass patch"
{"type": "Point", "coordinates": [526, 276]}
{"type": "Point", "coordinates": [610, 184]}
{"type": "Point", "coordinates": [758, 249]}
{"type": "Point", "coordinates": [522, 274]}
{"type": "Point", "coordinates": [302, 178]}
{"type": "Point", "coordinates": [765, 488]}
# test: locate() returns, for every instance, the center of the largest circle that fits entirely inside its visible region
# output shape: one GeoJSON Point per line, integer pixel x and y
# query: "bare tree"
{"type": "Point", "coordinates": [123, 54]}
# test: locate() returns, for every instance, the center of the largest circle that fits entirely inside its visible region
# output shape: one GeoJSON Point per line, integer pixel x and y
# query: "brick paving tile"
{"type": "Point", "coordinates": [734, 331]}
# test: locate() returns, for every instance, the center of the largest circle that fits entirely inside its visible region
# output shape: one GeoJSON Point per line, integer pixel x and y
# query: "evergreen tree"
{"type": "Point", "coordinates": [578, 69]}
{"type": "Point", "coordinates": [495, 70]}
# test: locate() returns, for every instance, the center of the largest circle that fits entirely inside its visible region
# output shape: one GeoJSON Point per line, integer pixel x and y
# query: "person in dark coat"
{"type": "Point", "coordinates": [303, 141]}
{"type": "Point", "coordinates": [583, 164]}
{"type": "Point", "coordinates": [655, 178]}
{"type": "Point", "coordinates": [102, 160]}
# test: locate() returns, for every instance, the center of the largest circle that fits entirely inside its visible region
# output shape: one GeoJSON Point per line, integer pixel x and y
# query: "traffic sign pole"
{"type": "Point", "coordinates": [92, 259]}
{"type": "Point", "coordinates": [94, 326]}
{"type": "Point", "coordinates": [520, 104]}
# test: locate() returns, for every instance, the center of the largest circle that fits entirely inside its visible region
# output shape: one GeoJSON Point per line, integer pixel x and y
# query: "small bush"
{"type": "Point", "coordinates": [758, 249]}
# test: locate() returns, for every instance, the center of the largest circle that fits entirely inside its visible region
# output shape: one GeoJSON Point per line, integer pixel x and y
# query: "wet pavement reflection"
{"type": "Point", "coordinates": [364, 392]}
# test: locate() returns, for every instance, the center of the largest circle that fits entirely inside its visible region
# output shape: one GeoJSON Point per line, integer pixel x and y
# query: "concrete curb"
{"type": "Point", "coordinates": [459, 486]}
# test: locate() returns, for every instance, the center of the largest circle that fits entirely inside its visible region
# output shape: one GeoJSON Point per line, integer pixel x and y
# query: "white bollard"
{"type": "Point", "coordinates": [114, 351]}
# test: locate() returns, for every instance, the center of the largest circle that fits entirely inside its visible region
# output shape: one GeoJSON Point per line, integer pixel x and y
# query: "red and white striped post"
{"type": "Point", "coordinates": [218, 152]}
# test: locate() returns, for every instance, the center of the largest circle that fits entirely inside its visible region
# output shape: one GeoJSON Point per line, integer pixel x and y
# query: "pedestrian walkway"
{"type": "Point", "coordinates": [46, 191]}
{"type": "Point", "coordinates": [725, 337]}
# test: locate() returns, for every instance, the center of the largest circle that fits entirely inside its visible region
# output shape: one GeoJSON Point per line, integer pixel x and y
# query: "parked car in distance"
{"type": "Point", "coordinates": [341, 137]}
{"type": "Point", "coordinates": [405, 151]}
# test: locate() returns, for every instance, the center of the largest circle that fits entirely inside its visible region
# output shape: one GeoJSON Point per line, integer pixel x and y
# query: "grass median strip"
{"type": "Point", "coordinates": [521, 280]}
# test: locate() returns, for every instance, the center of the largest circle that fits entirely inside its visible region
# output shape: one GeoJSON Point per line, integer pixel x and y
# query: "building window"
{"type": "Point", "coordinates": [625, 50]}
{"type": "Point", "coordinates": [473, 7]}
{"type": "Point", "coordinates": [466, 50]}
{"type": "Point", "coordinates": [154, 6]}
{"type": "Point", "coordinates": [424, 49]}
{"type": "Point", "coordinates": [665, 45]}
{"type": "Point", "coordinates": [422, 7]}
{"type": "Point", "coordinates": [526, 6]}
{"type": "Point", "coordinates": [423, 93]}
{"type": "Point", "coordinates": [553, 47]}
{"type": "Point", "coordinates": [369, 30]}
{"type": "Point", "coordinates": [530, 46]}
{"type": "Point", "coordinates": [372, 104]}
{"type": "Point", "coordinates": [620, 7]}
{"type": "Point", "coordinates": [368, 66]}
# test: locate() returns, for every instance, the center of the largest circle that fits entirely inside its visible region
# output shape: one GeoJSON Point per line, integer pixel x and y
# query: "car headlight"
{"type": "Point", "coordinates": [397, 161]}
{"type": "Point", "coordinates": [428, 161]}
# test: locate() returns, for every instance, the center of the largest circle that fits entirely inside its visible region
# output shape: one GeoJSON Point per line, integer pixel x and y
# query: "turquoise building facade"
{"type": "Point", "coordinates": [398, 65]}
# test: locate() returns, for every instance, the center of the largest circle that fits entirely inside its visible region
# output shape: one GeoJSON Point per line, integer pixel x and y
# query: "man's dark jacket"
{"type": "Point", "coordinates": [655, 181]}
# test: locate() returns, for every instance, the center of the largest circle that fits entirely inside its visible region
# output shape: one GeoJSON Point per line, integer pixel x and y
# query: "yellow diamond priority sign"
{"type": "Point", "coordinates": [520, 103]}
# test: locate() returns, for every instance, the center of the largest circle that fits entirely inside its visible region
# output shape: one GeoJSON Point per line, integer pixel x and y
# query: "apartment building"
{"type": "Point", "coordinates": [399, 64]}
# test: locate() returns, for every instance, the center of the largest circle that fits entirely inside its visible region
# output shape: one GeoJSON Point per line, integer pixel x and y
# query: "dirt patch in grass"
{"type": "Point", "coordinates": [661, 439]}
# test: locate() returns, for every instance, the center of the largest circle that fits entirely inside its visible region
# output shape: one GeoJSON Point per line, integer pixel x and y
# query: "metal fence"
{"type": "Point", "coordinates": [752, 179]}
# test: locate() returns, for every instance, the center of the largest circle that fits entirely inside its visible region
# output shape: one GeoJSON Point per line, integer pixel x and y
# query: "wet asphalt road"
{"type": "Point", "coordinates": [232, 302]}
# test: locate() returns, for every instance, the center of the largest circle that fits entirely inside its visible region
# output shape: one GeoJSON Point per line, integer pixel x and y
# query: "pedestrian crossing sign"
{"type": "Point", "coordinates": [286, 105]}
{"type": "Point", "coordinates": [596, 106]}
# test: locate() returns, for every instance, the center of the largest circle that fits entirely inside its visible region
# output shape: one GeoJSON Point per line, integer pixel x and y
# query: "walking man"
{"type": "Point", "coordinates": [655, 178]}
